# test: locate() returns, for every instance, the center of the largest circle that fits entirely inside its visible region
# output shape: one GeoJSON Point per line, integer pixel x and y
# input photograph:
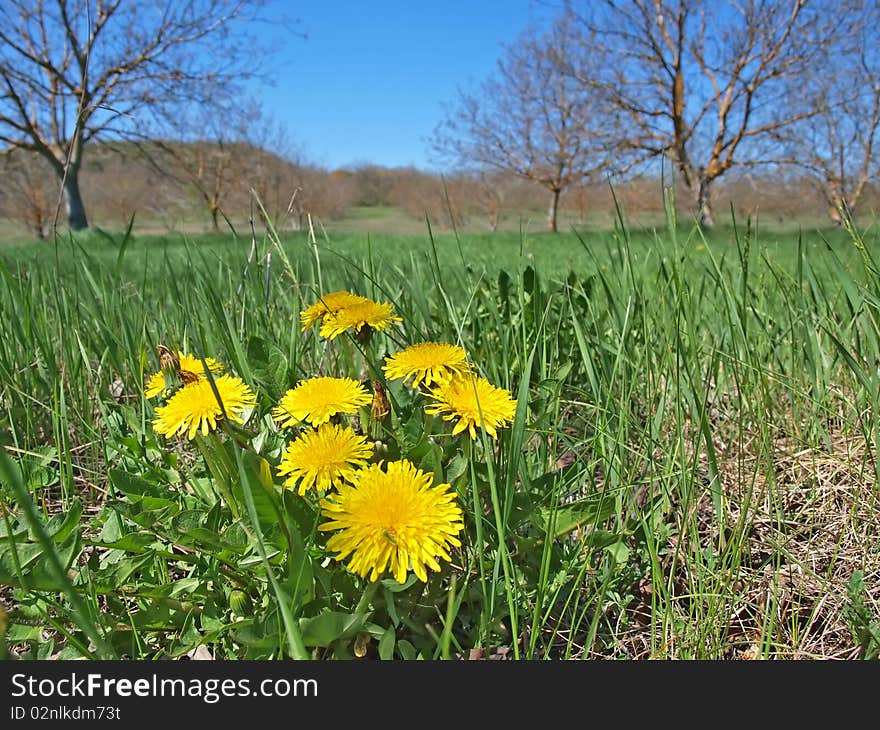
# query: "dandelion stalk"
{"type": "Point", "coordinates": [477, 511]}
{"type": "Point", "coordinates": [366, 598]}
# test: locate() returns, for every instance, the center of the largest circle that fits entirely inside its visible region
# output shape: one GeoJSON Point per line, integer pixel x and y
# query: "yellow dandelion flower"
{"type": "Point", "coordinates": [466, 398]}
{"type": "Point", "coordinates": [317, 400]}
{"type": "Point", "coordinates": [194, 364]}
{"type": "Point", "coordinates": [323, 458]}
{"type": "Point", "coordinates": [427, 362]}
{"type": "Point", "coordinates": [155, 385]}
{"type": "Point", "coordinates": [392, 519]}
{"type": "Point", "coordinates": [158, 384]}
{"type": "Point", "coordinates": [194, 407]}
{"type": "Point", "coordinates": [366, 313]}
{"type": "Point", "coordinates": [329, 303]}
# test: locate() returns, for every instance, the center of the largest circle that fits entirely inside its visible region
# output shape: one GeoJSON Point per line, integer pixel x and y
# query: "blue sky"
{"type": "Point", "coordinates": [368, 82]}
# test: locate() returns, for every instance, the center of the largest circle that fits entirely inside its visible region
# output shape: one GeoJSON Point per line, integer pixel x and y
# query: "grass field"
{"type": "Point", "coordinates": [690, 473]}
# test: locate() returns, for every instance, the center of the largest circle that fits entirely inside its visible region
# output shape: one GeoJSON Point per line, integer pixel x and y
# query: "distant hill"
{"type": "Point", "coordinates": [199, 185]}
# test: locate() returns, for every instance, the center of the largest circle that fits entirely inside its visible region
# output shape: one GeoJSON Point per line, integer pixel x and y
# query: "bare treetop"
{"type": "Point", "coordinates": [531, 119]}
{"type": "Point", "coordinates": [837, 146]}
{"type": "Point", "coordinates": [73, 70]}
{"type": "Point", "coordinates": [705, 83]}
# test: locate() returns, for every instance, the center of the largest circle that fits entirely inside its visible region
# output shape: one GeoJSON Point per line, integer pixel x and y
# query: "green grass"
{"type": "Point", "coordinates": [691, 472]}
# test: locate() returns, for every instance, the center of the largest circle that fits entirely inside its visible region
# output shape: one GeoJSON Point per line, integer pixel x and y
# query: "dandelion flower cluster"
{"type": "Point", "coordinates": [194, 407]}
{"type": "Point", "coordinates": [475, 402]}
{"type": "Point", "coordinates": [392, 519]}
{"type": "Point", "coordinates": [323, 458]}
{"type": "Point", "coordinates": [427, 362]}
{"type": "Point", "coordinates": [385, 517]}
{"type": "Point", "coordinates": [317, 400]}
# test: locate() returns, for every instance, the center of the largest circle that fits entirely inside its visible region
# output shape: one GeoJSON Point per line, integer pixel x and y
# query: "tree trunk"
{"type": "Point", "coordinates": [76, 211]}
{"type": "Point", "coordinates": [553, 210]}
{"type": "Point", "coordinates": [704, 203]}
{"type": "Point", "coordinates": [492, 213]}
{"type": "Point", "coordinates": [215, 218]}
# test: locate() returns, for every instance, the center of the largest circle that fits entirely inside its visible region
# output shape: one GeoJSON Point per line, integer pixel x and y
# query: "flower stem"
{"type": "Point", "coordinates": [488, 599]}
{"type": "Point", "coordinates": [369, 592]}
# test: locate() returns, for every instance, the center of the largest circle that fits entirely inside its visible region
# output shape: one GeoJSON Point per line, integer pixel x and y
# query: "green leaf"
{"type": "Point", "coordinates": [276, 368]}
{"type": "Point", "coordinates": [145, 511]}
{"type": "Point", "coordinates": [299, 511]}
{"type": "Point", "coordinates": [392, 585]}
{"type": "Point", "coordinates": [26, 554]}
{"type": "Point", "coordinates": [619, 552]}
{"type": "Point", "coordinates": [14, 475]}
{"type": "Point", "coordinates": [186, 520]}
{"type": "Point", "coordinates": [185, 585]}
{"type": "Point", "coordinates": [430, 461]}
{"type": "Point", "coordinates": [255, 559]}
{"type": "Point", "coordinates": [112, 577]}
{"type": "Point", "coordinates": [18, 530]}
{"type": "Point", "coordinates": [268, 364]}
{"type": "Point", "coordinates": [457, 467]}
{"type": "Point", "coordinates": [22, 633]}
{"type": "Point", "coordinates": [391, 606]}
{"type": "Point", "coordinates": [132, 484]}
{"type": "Point", "coordinates": [40, 469]}
{"type": "Point", "coordinates": [257, 636]}
{"type": "Point", "coordinates": [60, 526]}
{"type": "Point", "coordinates": [259, 474]}
{"type": "Point", "coordinates": [204, 538]}
{"type": "Point", "coordinates": [235, 538]}
{"type": "Point", "coordinates": [325, 628]}
{"type": "Point", "coordinates": [35, 573]}
{"type": "Point", "coordinates": [300, 578]}
{"type": "Point", "coordinates": [582, 514]}
{"type": "Point", "coordinates": [300, 581]}
{"type": "Point", "coordinates": [386, 644]}
{"type": "Point", "coordinates": [406, 649]}
{"type": "Point", "coordinates": [123, 245]}
{"type": "Point", "coordinates": [135, 542]}
{"type": "Point", "coordinates": [70, 550]}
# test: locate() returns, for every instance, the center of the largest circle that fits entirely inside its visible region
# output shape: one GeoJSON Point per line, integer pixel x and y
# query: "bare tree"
{"type": "Point", "coordinates": [445, 201]}
{"type": "Point", "coordinates": [837, 146]}
{"type": "Point", "coordinates": [530, 119]}
{"type": "Point", "coordinates": [208, 167]}
{"type": "Point", "coordinates": [75, 70]}
{"type": "Point", "coordinates": [373, 183]}
{"type": "Point", "coordinates": [272, 171]}
{"type": "Point", "coordinates": [241, 151]}
{"type": "Point", "coordinates": [212, 167]}
{"type": "Point", "coordinates": [494, 194]}
{"type": "Point", "coordinates": [703, 83]}
{"type": "Point", "coordinates": [119, 183]}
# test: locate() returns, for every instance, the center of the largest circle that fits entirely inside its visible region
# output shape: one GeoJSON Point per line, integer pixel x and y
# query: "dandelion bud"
{"type": "Point", "coordinates": [240, 602]}
{"type": "Point", "coordinates": [379, 409]}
